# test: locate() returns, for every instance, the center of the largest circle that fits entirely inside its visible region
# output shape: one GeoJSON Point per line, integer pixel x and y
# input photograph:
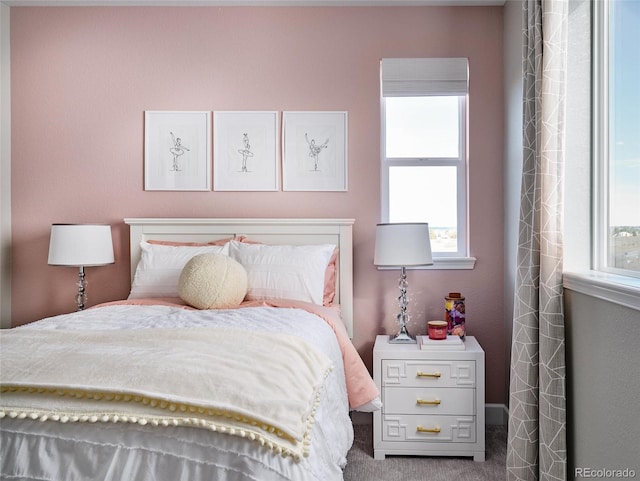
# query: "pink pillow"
{"type": "Point", "coordinates": [330, 279]}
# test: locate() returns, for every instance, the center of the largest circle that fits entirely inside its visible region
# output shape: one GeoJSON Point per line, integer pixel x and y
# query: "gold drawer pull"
{"type": "Point", "coordinates": [433, 402]}
{"type": "Point", "coordinates": [436, 430]}
{"type": "Point", "coordinates": [428, 374]}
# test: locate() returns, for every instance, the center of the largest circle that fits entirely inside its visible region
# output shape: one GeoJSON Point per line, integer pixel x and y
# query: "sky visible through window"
{"type": "Point", "coordinates": [423, 194]}
{"type": "Point", "coordinates": [624, 137]}
{"type": "Point", "coordinates": [417, 129]}
{"type": "Point", "coordinates": [422, 127]}
{"type": "Point", "coordinates": [625, 114]}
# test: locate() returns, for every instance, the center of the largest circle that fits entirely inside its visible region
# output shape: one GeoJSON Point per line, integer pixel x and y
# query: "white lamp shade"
{"type": "Point", "coordinates": [80, 245]}
{"type": "Point", "coordinates": [402, 245]}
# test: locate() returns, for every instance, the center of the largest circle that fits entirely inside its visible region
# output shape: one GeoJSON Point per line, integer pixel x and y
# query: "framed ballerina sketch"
{"type": "Point", "coordinates": [177, 150]}
{"type": "Point", "coordinates": [245, 153]}
{"type": "Point", "coordinates": [314, 151]}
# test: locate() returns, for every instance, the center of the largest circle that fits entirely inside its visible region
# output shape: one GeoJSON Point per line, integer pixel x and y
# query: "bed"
{"type": "Point", "coordinates": [151, 388]}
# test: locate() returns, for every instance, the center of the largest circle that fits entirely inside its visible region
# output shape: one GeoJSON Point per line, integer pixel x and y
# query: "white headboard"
{"type": "Point", "coordinates": [268, 231]}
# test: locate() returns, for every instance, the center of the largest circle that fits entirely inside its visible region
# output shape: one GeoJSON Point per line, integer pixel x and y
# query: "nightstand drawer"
{"type": "Point", "coordinates": [419, 373]}
{"type": "Point", "coordinates": [434, 429]}
{"type": "Point", "coordinates": [412, 400]}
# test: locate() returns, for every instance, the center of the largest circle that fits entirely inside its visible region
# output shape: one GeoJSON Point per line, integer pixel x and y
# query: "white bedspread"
{"type": "Point", "coordinates": [54, 451]}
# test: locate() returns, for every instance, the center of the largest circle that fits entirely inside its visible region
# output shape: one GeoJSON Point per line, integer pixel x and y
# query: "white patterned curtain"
{"type": "Point", "coordinates": [537, 403]}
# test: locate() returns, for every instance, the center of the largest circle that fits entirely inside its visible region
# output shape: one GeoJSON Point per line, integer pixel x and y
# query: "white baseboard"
{"type": "Point", "coordinates": [494, 414]}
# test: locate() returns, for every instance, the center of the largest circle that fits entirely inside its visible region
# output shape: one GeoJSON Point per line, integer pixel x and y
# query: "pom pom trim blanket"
{"type": "Point", "coordinates": [258, 385]}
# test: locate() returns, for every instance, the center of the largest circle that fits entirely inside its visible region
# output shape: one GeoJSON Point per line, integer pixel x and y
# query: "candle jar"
{"type": "Point", "coordinates": [437, 330]}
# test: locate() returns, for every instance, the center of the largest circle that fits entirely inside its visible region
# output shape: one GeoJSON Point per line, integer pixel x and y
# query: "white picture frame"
{"type": "Point", "coordinates": [177, 150]}
{"type": "Point", "coordinates": [314, 151]}
{"type": "Point", "coordinates": [246, 146]}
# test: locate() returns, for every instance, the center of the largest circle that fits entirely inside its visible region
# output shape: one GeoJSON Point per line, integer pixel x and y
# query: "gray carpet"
{"type": "Point", "coordinates": [362, 467]}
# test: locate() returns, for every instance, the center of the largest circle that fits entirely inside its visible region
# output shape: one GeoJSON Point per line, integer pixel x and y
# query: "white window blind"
{"type": "Point", "coordinates": [416, 77]}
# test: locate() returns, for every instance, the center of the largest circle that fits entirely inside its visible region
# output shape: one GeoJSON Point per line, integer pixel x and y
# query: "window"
{"type": "Point", "coordinates": [424, 151]}
{"type": "Point", "coordinates": [617, 137]}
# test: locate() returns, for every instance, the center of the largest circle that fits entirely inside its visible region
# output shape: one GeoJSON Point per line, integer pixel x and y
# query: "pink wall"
{"type": "Point", "coordinates": [83, 77]}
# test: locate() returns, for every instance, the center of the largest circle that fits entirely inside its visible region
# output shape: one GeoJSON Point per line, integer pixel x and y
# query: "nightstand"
{"type": "Point", "coordinates": [433, 401]}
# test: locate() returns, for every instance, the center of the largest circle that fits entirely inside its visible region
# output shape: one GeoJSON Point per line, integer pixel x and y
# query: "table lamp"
{"type": "Point", "coordinates": [80, 245]}
{"type": "Point", "coordinates": [402, 245]}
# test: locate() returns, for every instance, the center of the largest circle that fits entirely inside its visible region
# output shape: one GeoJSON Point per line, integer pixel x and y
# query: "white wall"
{"type": "Point", "coordinates": [513, 159]}
{"type": "Point", "coordinates": [603, 385]}
{"type": "Point", "coordinates": [577, 186]}
{"type": "Point", "coordinates": [5, 170]}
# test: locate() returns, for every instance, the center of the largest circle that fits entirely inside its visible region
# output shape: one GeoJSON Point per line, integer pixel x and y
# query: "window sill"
{"type": "Point", "coordinates": [453, 263]}
{"type": "Point", "coordinates": [609, 287]}
{"type": "Point", "coordinates": [444, 263]}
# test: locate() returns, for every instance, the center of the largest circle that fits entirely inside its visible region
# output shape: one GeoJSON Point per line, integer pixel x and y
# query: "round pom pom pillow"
{"type": "Point", "coordinates": [212, 281]}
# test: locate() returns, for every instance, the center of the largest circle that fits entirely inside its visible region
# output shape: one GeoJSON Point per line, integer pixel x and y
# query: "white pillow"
{"type": "Point", "coordinates": [283, 271]}
{"type": "Point", "coordinates": [159, 269]}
